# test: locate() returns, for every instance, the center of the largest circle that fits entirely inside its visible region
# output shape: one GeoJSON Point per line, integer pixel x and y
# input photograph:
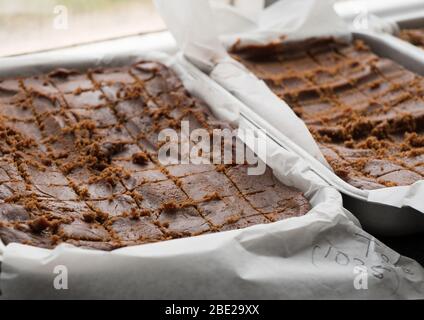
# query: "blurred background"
{"type": "Point", "coordinates": [34, 25]}
{"type": "Point", "coordinates": [37, 25]}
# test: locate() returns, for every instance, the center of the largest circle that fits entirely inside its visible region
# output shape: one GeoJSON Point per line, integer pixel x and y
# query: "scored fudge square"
{"type": "Point", "coordinates": [140, 125]}
{"type": "Point", "coordinates": [113, 92]}
{"type": "Point", "coordinates": [80, 230]}
{"type": "Point", "coordinates": [96, 245]}
{"type": "Point", "coordinates": [130, 229]}
{"type": "Point", "coordinates": [9, 87]}
{"type": "Point", "coordinates": [103, 117]}
{"type": "Point", "coordinates": [201, 185]}
{"type": "Point", "coordinates": [68, 81]}
{"type": "Point", "coordinates": [275, 199]}
{"type": "Point", "coordinates": [47, 175]}
{"type": "Point", "coordinates": [185, 220]}
{"type": "Point", "coordinates": [28, 130]}
{"type": "Point", "coordinates": [271, 68]}
{"type": "Point", "coordinates": [362, 76]}
{"type": "Point", "coordinates": [131, 108]}
{"type": "Point", "coordinates": [401, 177]}
{"type": "Point", "coordinates": [114, 206]}
{"type": "Point", "coordinates": [352, 98]}
{"type": "Point", "coordinates": [364, 183]}
{"type": "Point", "coordinates": [46, 104]}
{"type": "Point", "coordinates": [156, 86]}
{"type": "Point", "coordinates": [155, 195]}
{"type": "Point", "coordinates": [181, 170]}
{"type": "Point", "coordinates": [86, 99]}
{"type": "Point", "coordinates": [19, 100]}
{"type": "Point", "coordinates": [305, 95]}
{"type": "Point", "coordinates": [239, 223]}
{"type": "Point", "coordinates": [115, 133]}
{"type": "Point", "coordinates": [54, 192]}
{"type": "Point", "coordinates": [80, 175]}
{"type": "Point", "coordinates": [21, 113]}
{"type": "Point", "coordinates": [8, 170]}
{"type": "Point", "coordinates": [40, 84]}
{"type": "Point", "coordinates": [147, 146]}
{"type": "Point", "coordinates": [413, 108]}
{"type": "Point", "coordinates": [145, 70]}
{"type": "Point", "coordinates": [11, 189]}
{"type": "Point", "coordinates": [138, 178]}
{"type": "Point", "coordinates": [309, 109]}
{"type": "Point", "coordinates": [294, 82]}
{"type": "Point", "coordinates": [394, 96]}
{"type": "Point", "coordinates": [120, 75]}
{"type": "Point", "coordinates": [63, 209]}
{"type": "Point", "coordinates": [218, 211]}
{"type": "Point", "coordinates": [53, 125]}
{"type": "Point", "coordinates": [135, 165]}
{"type": "Point", "coordinates": [376, 89]}
{"type": "Point", "coordinates": [351, 154]}
{"type": "Point", "coordinates": [104, 189]}
{"type": "Point", "coordinates": [4, 177]}
{"type": "Point", "coordinates": [294, 207]}
{"type": "Point", "coordinates": [378, 168]}
{"type": "Point", "coordinates": [327, 78]}
{"type": "Point", "coordinates": [250, 183]}
{"type": "Point", "coordinates": [126, 150]}
{"type": "Point", "coordinates": [10, 234]}
{"type": "Point", "coordinates": [13, 213]}
{"type": "Point", "coordinates": [419, 168]}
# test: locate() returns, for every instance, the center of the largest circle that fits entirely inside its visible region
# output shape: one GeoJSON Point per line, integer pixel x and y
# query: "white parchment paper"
{"type": "Point", "coordinates": [286, 20]}
{"type": "Point", "coordinates": [201, 46]}
{"type": "Point", "coordinates": [313, 256]}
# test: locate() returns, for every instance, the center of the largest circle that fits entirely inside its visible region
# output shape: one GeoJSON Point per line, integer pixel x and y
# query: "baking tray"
{"type": "Point", "coordinates": [378, 218]}
{"type": "Point", "coordinates": [409, 14]}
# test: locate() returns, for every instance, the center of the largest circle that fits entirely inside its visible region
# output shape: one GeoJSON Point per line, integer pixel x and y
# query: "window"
{"type": "Point", "coordinates": [28, 25]}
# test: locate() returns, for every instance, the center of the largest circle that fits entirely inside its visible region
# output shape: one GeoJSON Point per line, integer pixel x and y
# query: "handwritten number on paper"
{"type": "Point", "coordinates": [342, 258]}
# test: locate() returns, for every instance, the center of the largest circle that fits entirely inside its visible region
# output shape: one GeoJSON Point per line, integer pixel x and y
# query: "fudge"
{"type": "Point", "coordinates": [79, 163]}
{"type": "Point", "coordinates": [365, 112]}
{"type": "Point", "coordinates": [413, 36]}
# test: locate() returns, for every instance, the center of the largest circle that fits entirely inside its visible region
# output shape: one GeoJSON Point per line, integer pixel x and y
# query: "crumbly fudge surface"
{"type": "Point", "coordinates": [78, 164]}
{"type": "Point", "coordinates": [414, 36]}
{"type": "Point", "coordinates": [365, 112]}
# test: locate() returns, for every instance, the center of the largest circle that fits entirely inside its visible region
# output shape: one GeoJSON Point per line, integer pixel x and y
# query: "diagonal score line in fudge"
{"type": "Point", "coordinates": [365, 112]}
{"type": "Point", "coordinates": [79, 163]}
{"type": "Point", "coordinates": [413, 36]}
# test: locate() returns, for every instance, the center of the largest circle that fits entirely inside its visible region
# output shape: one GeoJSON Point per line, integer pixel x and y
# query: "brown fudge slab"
{"type": "Point", "coordinates": [365, 112]}
{"type": "Point", "coordinates": [414, 35]}
{"type": "Point", "coordinates": [78, 164]}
